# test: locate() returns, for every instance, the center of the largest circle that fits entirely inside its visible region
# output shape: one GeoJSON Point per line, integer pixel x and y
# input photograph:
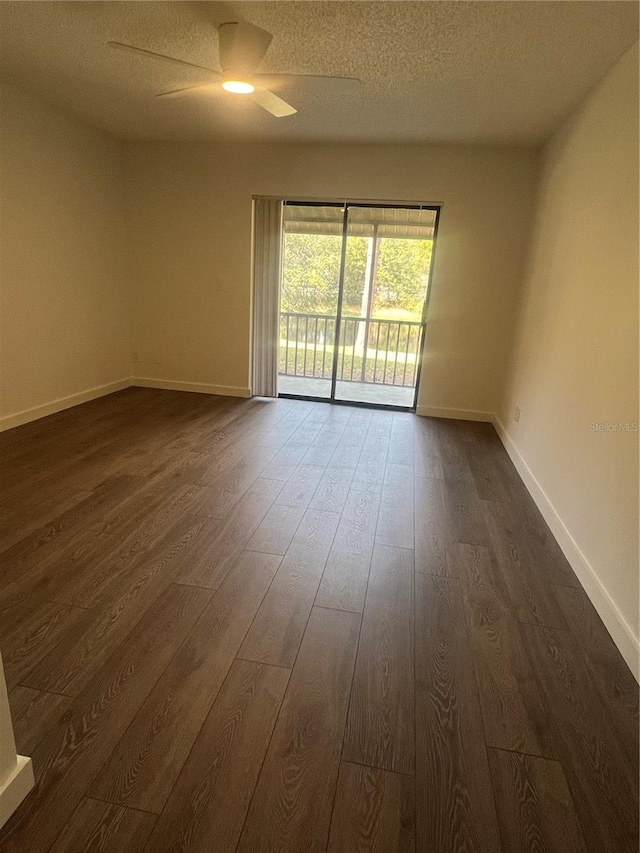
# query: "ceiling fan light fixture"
{"type": "Point", "coordinates": [238, 87]}
{"type": "Point", "coordinates": [241, 49]}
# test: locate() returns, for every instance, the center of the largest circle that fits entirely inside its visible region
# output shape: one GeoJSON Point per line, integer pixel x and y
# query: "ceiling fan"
{"type": "Point", "coordinates": [242, 48]}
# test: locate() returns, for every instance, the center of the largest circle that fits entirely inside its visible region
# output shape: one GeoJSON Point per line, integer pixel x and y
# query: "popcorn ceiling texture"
{"type": "Point", "coordinates": [477, 72]}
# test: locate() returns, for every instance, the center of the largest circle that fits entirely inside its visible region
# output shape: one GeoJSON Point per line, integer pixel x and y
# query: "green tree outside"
{"type": "Point", "coordinates": [311, 270]}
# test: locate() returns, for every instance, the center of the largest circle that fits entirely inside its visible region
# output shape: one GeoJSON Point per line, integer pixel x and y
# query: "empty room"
{"type": "Point", "coordinates": [319, 427]}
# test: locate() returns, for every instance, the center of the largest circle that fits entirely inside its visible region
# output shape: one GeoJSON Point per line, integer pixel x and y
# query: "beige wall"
{"type": "Point", "coordinates": [189, 227]}
{"type": "Point", "coordinates": [64, 305]}
{"type": "Point", "coordinates": [575, 356]}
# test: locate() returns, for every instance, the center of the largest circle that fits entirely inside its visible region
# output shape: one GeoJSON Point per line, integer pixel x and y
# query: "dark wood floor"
{"type": "Point", "coordinates": [285, 626]}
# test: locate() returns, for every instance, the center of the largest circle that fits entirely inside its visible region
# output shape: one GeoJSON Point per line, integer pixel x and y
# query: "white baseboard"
{"type": "Point", "coordinates": [196, 387]}
{"type": "Point", "coordinates": [33, 414]}
{"type": "Point", "coordinates": [616, 624]}
{"type": "Point", "coordinates": [37, 412]}
{"type": "Point", "coordinates": [15, 788]}
{"type": "Point", "coordinates": [454, 414]}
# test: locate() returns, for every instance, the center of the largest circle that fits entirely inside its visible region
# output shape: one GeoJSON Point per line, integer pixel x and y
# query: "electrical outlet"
{"type": "Point", "coordinates": [135, 358]}
{"type": "Point", "coordinates": [516, 414]}
{"type": "Point", "coordinates": [156, 358]}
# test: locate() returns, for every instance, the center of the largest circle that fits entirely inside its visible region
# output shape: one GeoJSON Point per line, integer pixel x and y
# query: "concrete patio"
{"type": "Point", "coordinates": [355, 392]}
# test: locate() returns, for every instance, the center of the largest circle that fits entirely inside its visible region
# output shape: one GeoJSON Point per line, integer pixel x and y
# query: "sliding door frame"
{"type": "Point", "coordinates": [346, 204]}
{"type": "Point", "coordinates": [343, 266]}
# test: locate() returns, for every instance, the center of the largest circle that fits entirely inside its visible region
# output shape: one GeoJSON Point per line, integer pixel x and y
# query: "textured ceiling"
{"type": "Point", "coordinates": [495, 72]}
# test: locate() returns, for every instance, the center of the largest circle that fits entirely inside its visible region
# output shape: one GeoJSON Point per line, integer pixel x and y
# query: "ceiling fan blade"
{"type": "Point", "coordinates": [141, 51]}
{"type": "Point", "coordinates": [242, 46]}
{"type": "Point", "coordinates": [311, 82]}
{"type": "Point", "coordinates": [272, 103]}
{"type": "Point", "coordinates": [201, 89]}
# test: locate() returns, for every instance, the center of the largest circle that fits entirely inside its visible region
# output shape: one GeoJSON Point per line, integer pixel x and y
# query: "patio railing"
{"type": "Point", "coordinates": [383, 352]}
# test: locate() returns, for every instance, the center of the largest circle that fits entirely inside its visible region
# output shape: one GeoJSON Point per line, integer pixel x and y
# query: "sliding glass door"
{"type": "Point", "coordinates": [355, 286]}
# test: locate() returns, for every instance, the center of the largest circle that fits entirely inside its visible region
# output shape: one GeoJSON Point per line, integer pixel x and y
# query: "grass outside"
{"type": "Point", "coordinates": [350, 365]}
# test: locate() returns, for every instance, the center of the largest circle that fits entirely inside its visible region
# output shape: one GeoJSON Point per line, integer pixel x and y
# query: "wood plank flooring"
{"type": "Point", "coordinates": [238, 626]}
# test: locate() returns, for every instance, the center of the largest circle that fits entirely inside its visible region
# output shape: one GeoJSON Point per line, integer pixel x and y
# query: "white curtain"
{"type": "Point", "coordinates": [267, 261]}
